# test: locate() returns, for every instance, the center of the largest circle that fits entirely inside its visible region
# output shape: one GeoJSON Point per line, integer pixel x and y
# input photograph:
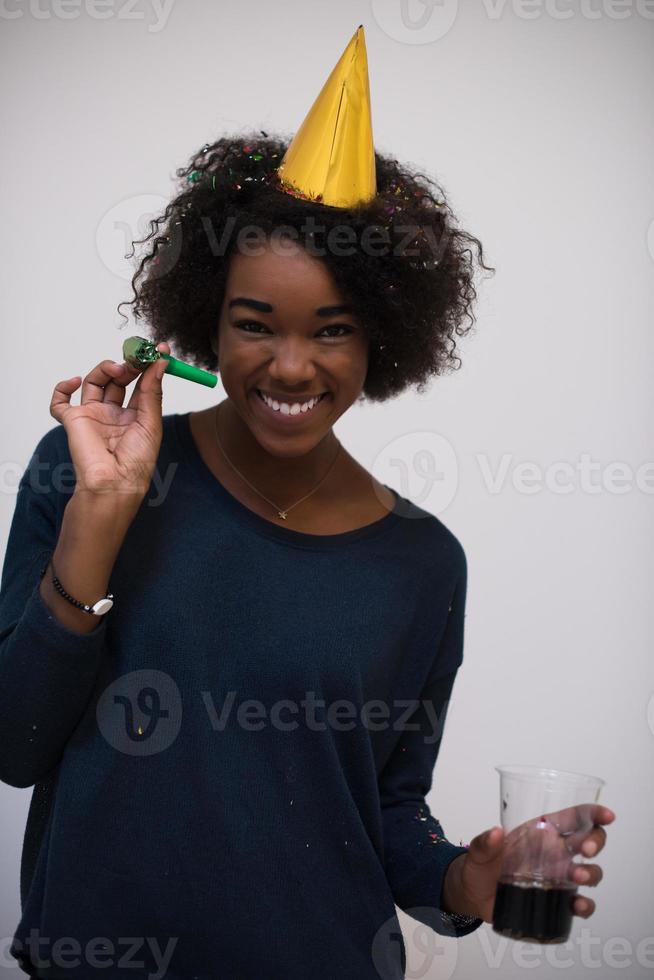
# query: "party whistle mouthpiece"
{"type": "Point", "coordinates": [139, 352]}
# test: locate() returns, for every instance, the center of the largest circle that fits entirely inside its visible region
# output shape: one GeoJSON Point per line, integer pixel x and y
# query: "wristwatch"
{"type": "Point", "coordinates": [98, 608]}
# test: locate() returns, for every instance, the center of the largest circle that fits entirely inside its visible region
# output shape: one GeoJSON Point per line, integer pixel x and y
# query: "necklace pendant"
{"type": "Point", "coordinates": [282, 514]}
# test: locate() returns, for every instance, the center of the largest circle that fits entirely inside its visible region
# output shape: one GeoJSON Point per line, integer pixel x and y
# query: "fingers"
{"type": "Point", "coordinates": [61, 396]}
{"type": "Point", "coordinates": [587, 874]}
{"type": "Point", "coordinates": [580, 826]}
{"type": "Point", "coordinates": [591, 874]}
{"type": "Point", "coordinates": [594, 842]}
{"type": "Point", "coordinates": [486, 847]}
{"type": "Point", "coordinates": [107, 381]}
{"type": "Point", "coordinates": [93, 386]}
{"type": "Point", "coordinates": [583, 906]}
{"type": "Point", "coordinates": [114, 390]}
{"type": "Point", "coordinates": [572, 818]}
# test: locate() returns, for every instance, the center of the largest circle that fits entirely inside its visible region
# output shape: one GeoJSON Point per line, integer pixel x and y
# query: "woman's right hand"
{"type": "Point", "coordinates": [114, 449]}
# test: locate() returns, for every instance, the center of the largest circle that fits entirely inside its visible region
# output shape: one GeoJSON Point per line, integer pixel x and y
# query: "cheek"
{"type": "Point", "coordinates": [354, 364]}
{"type": "Point", "coordinates": [362, 349]}
{"type": "Point", "coordinates": [238, 358]}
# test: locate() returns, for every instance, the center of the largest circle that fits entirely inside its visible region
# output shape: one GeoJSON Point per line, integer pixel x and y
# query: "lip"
{"type": "Point", "coordinates": [278, 417]}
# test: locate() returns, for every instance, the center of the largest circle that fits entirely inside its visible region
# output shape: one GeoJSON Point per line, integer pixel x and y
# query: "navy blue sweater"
{"type": "Point", "coordinates": [231, 768]}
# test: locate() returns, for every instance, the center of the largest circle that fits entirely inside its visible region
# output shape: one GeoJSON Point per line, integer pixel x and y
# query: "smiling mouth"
{"type": "Point", "coordinates": [288, 416]}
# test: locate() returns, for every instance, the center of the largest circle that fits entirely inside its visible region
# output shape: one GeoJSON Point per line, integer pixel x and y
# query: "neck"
{"type": "Point", "coordinates": [282, 478]}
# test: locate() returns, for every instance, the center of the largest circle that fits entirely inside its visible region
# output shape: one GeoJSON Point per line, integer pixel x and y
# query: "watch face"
{"type": "Point", "coordinates": [102, 606]}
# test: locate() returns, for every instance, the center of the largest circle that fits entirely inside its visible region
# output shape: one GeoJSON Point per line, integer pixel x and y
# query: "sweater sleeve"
{"type": "Point", "coordinates": [47, 671]}
{"type": "Point", "coordinates": [416, 851]}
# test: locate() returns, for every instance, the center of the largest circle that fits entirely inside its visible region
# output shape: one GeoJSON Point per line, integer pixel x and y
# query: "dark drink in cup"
{"type": "Point", "coordinates": [538, 912]}
{"type": "Point", "coordinates": [546, 815]}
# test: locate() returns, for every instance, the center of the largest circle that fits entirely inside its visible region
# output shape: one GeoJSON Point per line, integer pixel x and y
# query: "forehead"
{"type": "Point", "coordinates": [285, 276]}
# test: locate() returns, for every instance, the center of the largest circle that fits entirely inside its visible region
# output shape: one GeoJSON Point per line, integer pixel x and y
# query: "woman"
{"type": "Point", "coordinates": [224, 766]}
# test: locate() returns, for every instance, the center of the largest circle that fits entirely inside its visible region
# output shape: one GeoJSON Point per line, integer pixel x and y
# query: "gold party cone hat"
{"type": "Point", "coordinates": [331, 158]}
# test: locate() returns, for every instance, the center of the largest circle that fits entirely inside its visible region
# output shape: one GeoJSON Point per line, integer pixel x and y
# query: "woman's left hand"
{"type": "Point", "coordinates": [480, 868]}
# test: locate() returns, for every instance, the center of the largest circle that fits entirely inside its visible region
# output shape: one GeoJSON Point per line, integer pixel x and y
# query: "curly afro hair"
{"type": "Point", "coordinates": [406, 269]}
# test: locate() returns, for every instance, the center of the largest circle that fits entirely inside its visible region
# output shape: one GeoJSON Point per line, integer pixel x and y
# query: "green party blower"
{"type": "Point", "coordinates": [140, 352]}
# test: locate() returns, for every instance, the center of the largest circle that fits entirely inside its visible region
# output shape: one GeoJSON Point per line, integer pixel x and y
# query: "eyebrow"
{"type": "Point", "coordinates": [261, 307]}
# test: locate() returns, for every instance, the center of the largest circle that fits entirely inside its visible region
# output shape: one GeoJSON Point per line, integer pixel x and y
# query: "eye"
{"type": "Point", "coordinates": [242, 324]}
{"type": "Point", "coordinates": [338, 326]}
{"type": "Point", "coordinates": [247, 323]}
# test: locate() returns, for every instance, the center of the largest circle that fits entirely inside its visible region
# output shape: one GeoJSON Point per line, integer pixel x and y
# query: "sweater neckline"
{"type": "Point", "coordinates": [287, 535]}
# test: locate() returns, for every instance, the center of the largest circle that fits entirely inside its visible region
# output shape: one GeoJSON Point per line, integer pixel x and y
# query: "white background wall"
{"type": "Point", "coordinates": [536, 117]}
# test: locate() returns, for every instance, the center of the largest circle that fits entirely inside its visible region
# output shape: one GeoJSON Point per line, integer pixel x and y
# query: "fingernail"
{"type": "Point", "coordinates": [590, 848]}
{"type": "Point", "coordinates": [583, 875]}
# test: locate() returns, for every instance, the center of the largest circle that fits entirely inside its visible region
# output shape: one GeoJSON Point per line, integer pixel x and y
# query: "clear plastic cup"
{"type": "Point", "coordinates": [546, 815]}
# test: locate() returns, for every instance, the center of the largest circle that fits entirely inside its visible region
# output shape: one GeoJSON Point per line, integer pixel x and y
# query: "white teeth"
{"type": "Point", "coordinates": [287, 409]}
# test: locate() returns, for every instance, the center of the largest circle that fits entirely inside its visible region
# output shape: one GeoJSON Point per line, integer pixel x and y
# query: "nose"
{"type": "Point", "coordinates": [292, 363]}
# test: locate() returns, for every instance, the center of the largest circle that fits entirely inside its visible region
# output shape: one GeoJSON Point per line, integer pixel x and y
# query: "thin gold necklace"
{"type": "Point", "coordinates": [280, 513]}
